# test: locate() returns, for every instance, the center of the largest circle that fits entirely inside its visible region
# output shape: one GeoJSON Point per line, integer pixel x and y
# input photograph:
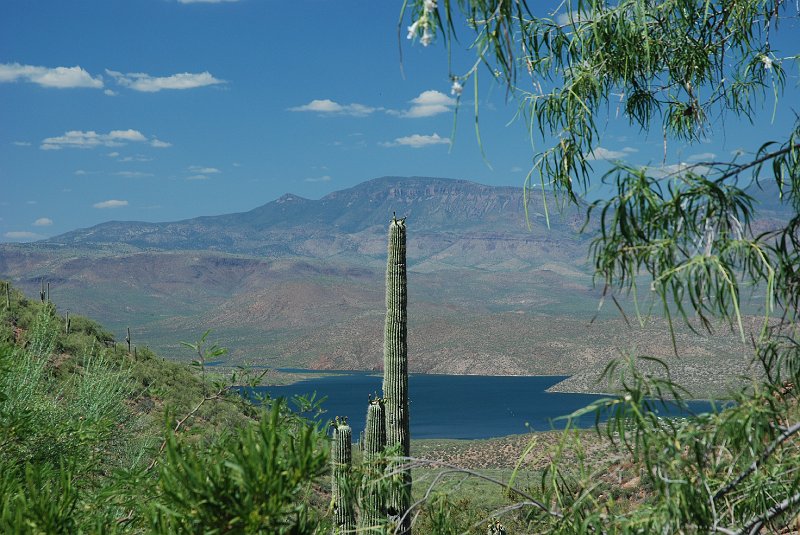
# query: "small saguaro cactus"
{"type": "Point", "coordinates": [8, 295]}
{"type": "Point", "coordinates": [375, 430]}
{"type": "Point", "coordinates": [67, 323]}
{"type": "Point", "coordinates": [373, 499]}
{"type": "Point", "coordinates": [344, 513]}
{"type": "Point", "coordinates": [395, 369]}
{"type": "Point", "coordinates": [42, 293]}
{"type": "Point", "coordinates": [128, 339]}
{"type": "Point", "coordinates": [48, 292]}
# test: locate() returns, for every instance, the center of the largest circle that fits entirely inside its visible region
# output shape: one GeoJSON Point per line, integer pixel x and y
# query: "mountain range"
{"type": "Point", "coordinates": [346, 223]}
{"type": "Point", "coordinates": [298, 282]}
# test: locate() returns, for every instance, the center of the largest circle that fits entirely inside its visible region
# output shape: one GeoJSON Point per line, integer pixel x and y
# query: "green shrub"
{"type": "Point", "coordinates": [251, 482]}
{"type": "Point", "coordinates": [90, 327]}
{"type": "Point", "coordinates": [37, 499]}
{"type": "Point", "coordinates": [81, 426]}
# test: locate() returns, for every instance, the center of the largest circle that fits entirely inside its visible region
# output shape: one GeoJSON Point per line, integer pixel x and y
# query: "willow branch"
{"type": "Point", "coordinates": [452, 469]}
{"type": "Point", "coordinates": [758, 462]}
{"type": "Point", "coordinates": [758, 161]}
{"type": "Point", "coordinates": [755, 525]}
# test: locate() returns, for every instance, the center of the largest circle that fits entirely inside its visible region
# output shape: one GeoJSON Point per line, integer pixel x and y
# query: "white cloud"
{"type": "Point", "coordinates": [428, 104]}
{"type": "Point", "coordinates": [22, 143]}
{"type": "Point", "coordinates": [58, 77]}
{"type": "Point", "coordinates": [599, 153]}
{"type": "Point", "coordinates": [330, 107]}
{"type": "Point", "coordinates": [321, 106]}
{"type": "Point", "coordinates": [630, 150]}
{"type": "Point", "coordinates": [111, 203]}
{"type": "Point", "coordinates": [674, 169]}
{"type": "Point", "coordinates": [80, 172]}
{"type": "Point", "coordinates": [702, 157]}
{"type": "Point", "coordinates": [137, 158]}
{"type": "Point", "coordinates": [666, 170]}
{"type": "Point", "coordinates": [128, 135]}
{"type": "Point", "coordinates": [132, 174]}
{"type": "Point", "coordinates": [110, 93]}
{"type": "Point", "coordinates": [323, 178]}
{"type": "Point", "coordinates": [43, 222]}
{"type": "Point", "coordinates": [139, 81]}
{"type": "Point", "coordinates": [22, 235]}
{"type": "Point", "coordinates": [197, 177]}
{"type": "Point", "coordinates": [417, 141]}
{"type": "Point", "coordinates": [203, 170]}
{"type": "Point", "coordinates": [90, 139]}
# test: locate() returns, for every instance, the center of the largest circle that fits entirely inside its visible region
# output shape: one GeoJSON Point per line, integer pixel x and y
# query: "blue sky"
{"type": "Point", "coordinates": [158, 110]}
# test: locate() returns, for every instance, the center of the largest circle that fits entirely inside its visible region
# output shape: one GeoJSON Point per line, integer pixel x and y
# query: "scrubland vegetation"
{"type": "Point", "coordinates": [93, 440]}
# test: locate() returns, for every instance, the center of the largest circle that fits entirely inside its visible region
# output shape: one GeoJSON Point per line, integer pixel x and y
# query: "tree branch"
{"type": "Point", "coordinates": [758, 161]}
{"type": "Point", "coordinates": [183, 420]}
{"type": "Point", "coordinates": [755, 525]}
{"type": "Point", "coordinates": [452, 469]}
{"type": "Point", "coordinates": [758, 462]}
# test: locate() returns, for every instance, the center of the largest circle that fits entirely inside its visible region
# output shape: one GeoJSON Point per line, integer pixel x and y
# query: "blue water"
{"type": "Point", "coordinates": [453, 406]}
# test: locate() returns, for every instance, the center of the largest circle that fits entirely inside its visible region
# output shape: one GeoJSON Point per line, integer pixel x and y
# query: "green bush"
{"type": "Point", "coordinates": [251, 482]}
{"type": "Point", "coordinates": [37, 499]}
{"type": "Point", "coordinates": [82, 447]}
{"type": "Point", "coordinates": [80, 324]}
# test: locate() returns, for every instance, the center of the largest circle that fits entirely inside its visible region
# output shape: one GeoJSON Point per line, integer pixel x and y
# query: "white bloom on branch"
{"type": "Point", "coordinates": [767, 61]}
{"type": "Point", "coordinates": [430, 6]}
{"type": "Point", "coordinates": [456, 88]}
{"type": "Point", "coordinates": [427, 37]}
{"type": "Point", "coordinates": [412, 30]}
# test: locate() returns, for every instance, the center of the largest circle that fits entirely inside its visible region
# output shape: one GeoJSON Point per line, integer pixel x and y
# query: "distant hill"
{"type": "Point", "coordinates": [299, 282]}
{"type": "Point", "coordinates": [442, 214]}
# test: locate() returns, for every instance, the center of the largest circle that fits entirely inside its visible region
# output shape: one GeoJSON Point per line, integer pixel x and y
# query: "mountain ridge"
{"type": "Point", "coordinates": [433, 204]}
{"type": "Point", "coordinates": [299, 282]}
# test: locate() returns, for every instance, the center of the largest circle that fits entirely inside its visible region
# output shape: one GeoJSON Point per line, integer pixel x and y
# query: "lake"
{"type": "Point", "coordinates": [453, 406]}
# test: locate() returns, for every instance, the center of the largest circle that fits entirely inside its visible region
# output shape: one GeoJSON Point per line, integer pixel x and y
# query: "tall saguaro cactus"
{"type": "Point", "coordinates": [373, 508]}
{"type": "Point", "coordinates": [395, 367]}
{"type": "Point", "coordinates": [341, 459]}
